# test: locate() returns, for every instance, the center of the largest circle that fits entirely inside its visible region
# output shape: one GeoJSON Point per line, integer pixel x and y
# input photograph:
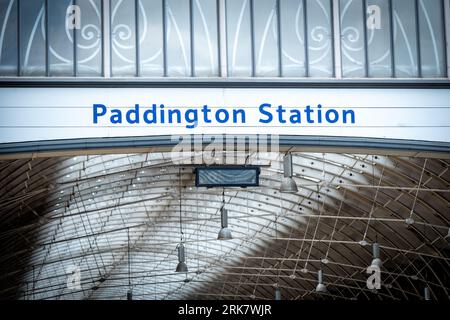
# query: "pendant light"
{"type": "Point", "coordinates": [181, 267]}
{"type": "Point", "coordinates": [321, 288]}
{"type": "Point", "coordinates": [288, 184]}
{"type": "Point", "coordinates": [277, 293]}
{"type": "Point", "coordinates": [376, 262]}
{"type": "Point", "coordinates": [426, 293]}
{"type": "Point", "coordinates": [225, 232]}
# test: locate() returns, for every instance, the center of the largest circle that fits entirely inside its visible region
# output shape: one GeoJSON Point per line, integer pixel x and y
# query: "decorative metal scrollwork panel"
{"type": "Point", "coordinates": [151, 39]}
{"type": "Point", "coordinates": [264, 38]}
{"type": "Point", "coordinates": [8, 38]}
{"type": "Point", "coordinates": [32, 38]}
{"type": "Point", "coordinates": [89, 39]}
{"type": "Point", "coordinates": [66, 52]}
{"type": "Point", "coordinates": [206, 51]}
{"type": "Point", "coordinates": [405, 39]}
{"type": "Point", "coordinates": [306, 38]}
{"type": "Point", "coordinates": [431, 22]}
{"type": "Point", "coordinates": [123, 38]}
{"type": "Point", "coordinates": [320, 38]}
{"type": "Point", "coordinates": [178, 38]}
{"type": "Point", "coordinates": [379, 39]}
{"type": "Point", "coordinates": [352, 38]}
{"type": "Point", "coordinates": [292, 25]}
{"type": "Point", "coordinates": [410, 30]}
{"type": "Point", "coordinates": [239, 42]}
{"type": "Point", "coordinates": [61, 39]}
{"type": "Point", "coordinates": [74, 51]}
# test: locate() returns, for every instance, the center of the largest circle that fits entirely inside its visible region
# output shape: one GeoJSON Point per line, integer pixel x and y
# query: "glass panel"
{"type": "Point", "coordinates": [239, 38]}
{"type": "Point", "coordinates": [8, 38]}
{"type": "Point", "coordinates": [319, 29]}
{"type": "Point", "coordinates": [352, 35]}
{"type": "Point", "coordinates": [60, 39]}
{"type": "Point", "coordinates": [402, 30]}
{"type": "Point", "coordinates": [266, 39]}
{"type": "Point", "coordinates": [151, 38]}
{"type": "Point", "coordinates": [123, 38]}
{"type": "Point", "coordinates": [405, 49]}
{"type": "Point", "coordinates": [32, 38]}
{"type": "Point", "coordinates": [432, 41]}
{"type": "Point", "coordinates": [178, 38]}
{"type": "Point", "coordinates": [89, 39]}
{"type": "Point", "coordinates": [292, 38]}
{"type": "Point", "coordinates": [205, 38]}
{"type": "Point", "coordinates": [379, 39]}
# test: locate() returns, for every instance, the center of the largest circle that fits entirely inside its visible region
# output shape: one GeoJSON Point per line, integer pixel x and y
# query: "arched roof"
{"type": "Point", "coordinates": [58, 213]}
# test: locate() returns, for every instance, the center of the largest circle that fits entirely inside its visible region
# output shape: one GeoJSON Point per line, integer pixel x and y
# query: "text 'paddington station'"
{"type": "Point", "coordinates": [266, 113]}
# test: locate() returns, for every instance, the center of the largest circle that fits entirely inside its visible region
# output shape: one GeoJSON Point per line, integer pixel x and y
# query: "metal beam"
{"type": "Point", "coordinates": [164, 143]}
{"type": "Point", "coordinates": [337, 40]}
{"type": "Point", "coordinates": [218, 82]}
{"type": "Point", "coordinates": [447, 33]}
{"type": "Point", "coordinates": [106, 38]}
{"type": "Point", "coordinates": [222, 38]}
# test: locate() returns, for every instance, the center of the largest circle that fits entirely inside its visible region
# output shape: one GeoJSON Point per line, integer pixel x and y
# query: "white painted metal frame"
{"type": "Point", "coordinates": [106, 39]}
{"type": "Point", "coordinates": [222, 29]}
{"type": "Point", "coordinates": [337, 39]}
{"type": "Point", "coordinates": [447, 33]}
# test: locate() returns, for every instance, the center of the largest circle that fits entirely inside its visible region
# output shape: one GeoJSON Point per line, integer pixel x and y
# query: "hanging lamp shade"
{"type": "Point", "coordinates": [277, 294]}
{"type": "Point", "coordinates": [376, 262]}
{"type": "Point", "coordinates": [320, 286]}
{"type": "Point", "coordinates": [225, 232]}
{"type": "Point", "coordinates": [181, 267]}
{"type": "Point", "coordinates": [426, 293]}
{"type": "Point", "coordinates": [288, 184]}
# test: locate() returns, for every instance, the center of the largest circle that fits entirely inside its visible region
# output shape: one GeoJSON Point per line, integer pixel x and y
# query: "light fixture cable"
{"type": "Point", "coordinates": [181, 218]}
{"type": "Point", "coordinates": [129, 293]}
{"type": "Point", "coordinates": [181, 267]}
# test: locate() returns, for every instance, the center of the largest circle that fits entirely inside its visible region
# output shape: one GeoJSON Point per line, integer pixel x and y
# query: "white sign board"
{"type": "Point", "coordinates": [40, 114]}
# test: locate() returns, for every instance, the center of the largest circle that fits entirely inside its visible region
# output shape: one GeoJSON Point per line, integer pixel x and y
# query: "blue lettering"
{"type": "Point", "coordinates": [237, 112]}
{"type": "Point", "coordinates": [265, 113]}
{"type": "Point", "coordinates": [225, 117]}
{"type": "Point", "coordinates": [116, 116]}
{"type": "Point", "coordinates": [349, 112]}
{"type": "Point", "coordinates": [96, 113]}
{"type": "Point", "coordinates": [151, 112]}
{"type": "Point", "coordinates": [191, 117]}
{"type": "Point", "coordinates": [134, 111]}
{"type": "Point", "coordinates": [335, 116]}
